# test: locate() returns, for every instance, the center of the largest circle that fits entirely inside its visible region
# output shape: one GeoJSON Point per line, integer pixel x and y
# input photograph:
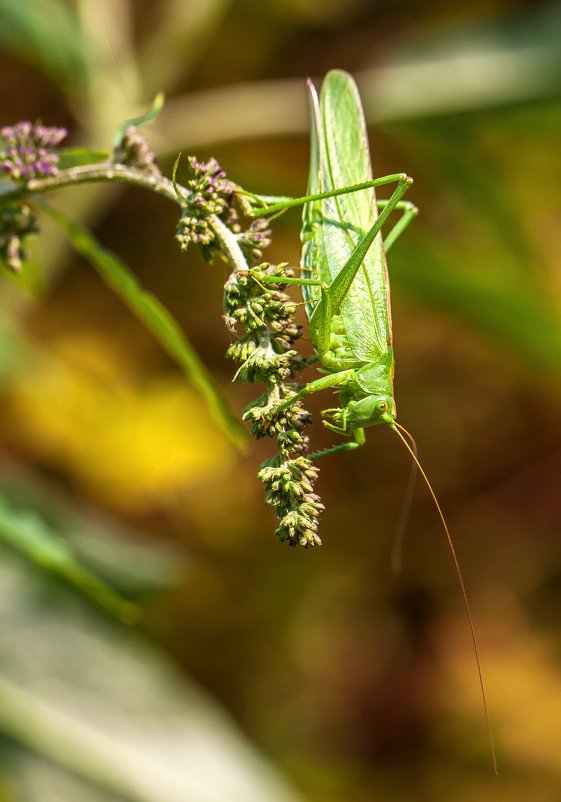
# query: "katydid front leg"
{"type": "Point", "coordinates": [324, 383]}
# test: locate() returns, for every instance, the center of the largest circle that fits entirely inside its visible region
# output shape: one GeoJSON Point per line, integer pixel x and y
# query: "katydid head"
{"type": "Point", "coordinates": [371, 410]}
{"type": "Point", "coordinates": [368, 411]}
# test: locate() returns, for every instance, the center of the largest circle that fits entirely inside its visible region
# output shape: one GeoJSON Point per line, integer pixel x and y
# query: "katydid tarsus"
{"type": "Point", "coordinates": [345, 282]}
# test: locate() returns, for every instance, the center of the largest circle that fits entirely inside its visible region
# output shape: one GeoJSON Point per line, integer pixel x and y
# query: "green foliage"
{"type": "Point", "coordinates": [26, 533]}
{"type": "Point", "coordinates": [148, 117]}
{"type": "Point", "coordinates": [87, 708]}
{"type": "Point", "coordinates": [76, 157]}
{"type": "Point", "coordinates": [53, 40]}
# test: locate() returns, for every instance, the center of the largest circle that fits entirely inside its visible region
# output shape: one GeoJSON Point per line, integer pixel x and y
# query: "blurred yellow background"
{"type": "Point", "coordinates": [261, 672]}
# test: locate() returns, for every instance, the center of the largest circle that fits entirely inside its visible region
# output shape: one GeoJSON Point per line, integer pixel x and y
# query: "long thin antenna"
{"type": "Point", "coordinates": [396, 559]}
{"type": "Point", "coordinates": [396, 427]}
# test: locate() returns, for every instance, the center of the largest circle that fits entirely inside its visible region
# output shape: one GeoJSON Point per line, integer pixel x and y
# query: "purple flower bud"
{"type": "Point", "coordinates": [27, 153]}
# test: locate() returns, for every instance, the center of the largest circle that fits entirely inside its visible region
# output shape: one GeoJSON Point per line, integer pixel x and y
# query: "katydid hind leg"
{"type": "Point", "coordinates": [341, 284]}
{"type": "Point", "coordinates": [408, 213]}
{"type": "Point", "coordinates": [288, 203]}
{"type": "Point", "coordinates": [272, 204]}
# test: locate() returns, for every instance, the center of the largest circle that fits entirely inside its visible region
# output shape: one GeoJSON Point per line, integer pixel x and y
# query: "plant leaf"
{"type": "Point", "coordinates": [31, 537]}
{"type": "Point", "coordinates": [148, 117]}
{"type": "Point", "coordinates": [74, 157]}
{"type": "Point", "coordinates": [49, 37]}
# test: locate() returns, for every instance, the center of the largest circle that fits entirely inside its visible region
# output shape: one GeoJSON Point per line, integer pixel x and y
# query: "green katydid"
{"type": "Point", "coordinates": [345, 280]}
{"type": "Point", "coordinates": [346, 287]}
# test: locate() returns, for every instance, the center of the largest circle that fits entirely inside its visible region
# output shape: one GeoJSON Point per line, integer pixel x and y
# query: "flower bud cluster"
{"type": "Point", "coordinates": [211, 193]}
{"type": "Point", "coordinates": [255, 239]}
{"type": "Point", "coordinates": [134, 151]}
{"type": "Point", "coordinates": [16, 223]}
{"type": "Point", "coordinates": [26, 150]}
{"type": "Point", "coordinates": [266, 354]}
{"type": "Point", "coordinates": [289, 488]}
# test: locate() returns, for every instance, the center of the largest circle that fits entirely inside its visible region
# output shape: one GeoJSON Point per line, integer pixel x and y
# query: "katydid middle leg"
{"type": "Point", "coordinates": [324, 383]}
{"type": "Point", "coordinates": [358, 440]}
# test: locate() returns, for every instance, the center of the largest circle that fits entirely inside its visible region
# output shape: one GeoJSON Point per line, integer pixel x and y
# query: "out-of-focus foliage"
{"type": "Point", "coordinates": [30, 536]}
{"type": "Point", "coordinates": [105, 717]}
{"type": "Point", "coordinates": [153, 315]}
{"type": "Point", "coordinates": [358, 684]}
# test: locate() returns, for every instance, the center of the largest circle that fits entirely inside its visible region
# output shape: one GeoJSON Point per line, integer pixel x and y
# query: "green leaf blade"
{"type": "Point", "coordinates": [32, 538]}
{"type": "Point", "coordinates": [77, 157]}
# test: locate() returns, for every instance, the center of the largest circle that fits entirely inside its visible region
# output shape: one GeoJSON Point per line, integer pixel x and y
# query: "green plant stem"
{"type": "Point", "coordinates": [91, 174]}
{"type": "Point", "coordinates": [121, 174]}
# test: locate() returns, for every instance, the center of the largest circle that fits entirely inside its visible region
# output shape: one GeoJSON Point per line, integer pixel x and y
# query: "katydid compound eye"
{"type": "Point", "coordinates": [382, 406]}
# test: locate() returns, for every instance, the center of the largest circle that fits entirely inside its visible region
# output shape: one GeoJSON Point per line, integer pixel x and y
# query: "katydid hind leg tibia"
{"type": "Point", "coordinates": [408, 210]}
{"type": "Point", "coordinates": [282, 203]}
{"type": "Point", "coordinates": [387, 206]}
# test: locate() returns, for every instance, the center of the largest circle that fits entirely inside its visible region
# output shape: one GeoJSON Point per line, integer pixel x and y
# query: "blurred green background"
{"type": "Point", "coordinates": [260, 672]}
